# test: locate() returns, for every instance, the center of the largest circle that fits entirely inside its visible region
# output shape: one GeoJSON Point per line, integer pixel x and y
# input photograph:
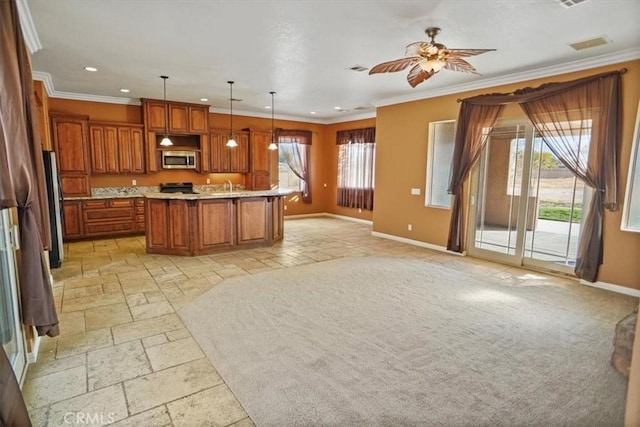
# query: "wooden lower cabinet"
{"type": "Point", "coordinates": [72, 219]}
{"type": "Point", "coordinates": [156, 230]}
{"type": "Point", "coordinates": [277, 218]}
{"type": "Point", "coordinates": [253, 221]}
{"type": "Point", "coordinates": [102, 217]}
{"type": "Point", "coordinates": [179, 225]}
{"type": "Point", "coordinates": [216, 221]}
{"type": "Point", "coordinates": [201, 226]}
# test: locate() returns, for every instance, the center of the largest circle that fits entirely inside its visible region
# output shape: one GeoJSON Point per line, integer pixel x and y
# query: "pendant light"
{"type": "Point", "coordinates": [165, 141]}
{"type": "Point", "coordinates": [231, 142]}
{"type": "Point", "coordinates": [273, 145]}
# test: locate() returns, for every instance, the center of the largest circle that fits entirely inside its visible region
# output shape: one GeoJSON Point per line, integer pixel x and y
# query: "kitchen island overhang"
{"type": "Point", "coordinates": [200, 224]}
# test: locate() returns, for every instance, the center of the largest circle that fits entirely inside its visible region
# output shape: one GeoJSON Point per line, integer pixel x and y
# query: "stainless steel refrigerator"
{"type": "Point", "coordinates": [54, 198]}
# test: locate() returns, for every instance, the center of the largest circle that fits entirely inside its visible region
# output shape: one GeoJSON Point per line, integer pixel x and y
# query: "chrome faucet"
{"type": "Point", "coordinates": [230, 185]}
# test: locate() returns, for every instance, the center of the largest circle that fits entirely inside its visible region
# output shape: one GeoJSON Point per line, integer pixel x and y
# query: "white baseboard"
{"type": "Point", "coordinates": [349, 218]}
{"type": "Point", "coordinates": [330, 215]}
{"type": "Point", "coordinates": [416, 243]}
{"type": "Point", "coordinates": [613, 288]}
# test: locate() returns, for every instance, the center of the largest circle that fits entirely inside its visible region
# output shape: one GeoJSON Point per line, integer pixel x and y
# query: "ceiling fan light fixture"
{"type": "Point", "coordinates": [166, 142]}
{"type": "Point", "coordinates": [432, 66]}
{"type": "Point", "coordinates": [272, 145]}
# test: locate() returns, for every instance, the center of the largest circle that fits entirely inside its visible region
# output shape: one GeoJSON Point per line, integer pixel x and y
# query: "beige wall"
{"type": "Point", "coordinates": [401, 134]}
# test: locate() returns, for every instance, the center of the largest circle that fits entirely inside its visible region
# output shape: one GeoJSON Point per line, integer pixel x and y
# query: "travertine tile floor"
{"type": "Point", "coordinates": [123, 354]}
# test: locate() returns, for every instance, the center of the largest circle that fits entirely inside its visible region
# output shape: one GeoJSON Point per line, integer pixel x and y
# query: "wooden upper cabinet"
{"type": "Point", "coordinates": [229, 159]}
{"type": "Point", "coordinates": [239, 156]}
{"type": "Point", "coordinates": [155, 115]}
{"type": "Point", "coordinates": [116, 148]}
{"type": "Point", "coordinates": [198, 119]}
{"type": "Point", "coordinates": [184, 119]}
{"type": "Point", "coordinates": [70, 144]}
{"type": "Point", "coordinates": [131, 149]}
{"type": "Point", "coordinates": [178, 118]}
{"type": "Point", "coordinates": [260, 141]}
{"type": "Point", "coordinates": [96, 139]}
{"type": "Point", "coordinates": [111, 149]}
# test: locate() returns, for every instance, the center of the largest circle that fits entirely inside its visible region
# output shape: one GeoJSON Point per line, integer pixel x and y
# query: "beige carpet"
{"type": "Point", "coordinates": [396, 342]}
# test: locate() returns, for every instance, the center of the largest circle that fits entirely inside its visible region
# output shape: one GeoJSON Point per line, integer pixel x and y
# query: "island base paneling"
{"type": "Point", "coordinates": [201, 226]}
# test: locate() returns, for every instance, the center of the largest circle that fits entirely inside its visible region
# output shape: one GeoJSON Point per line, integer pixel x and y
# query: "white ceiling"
{"type": "Point", "coordinates": [302, 49]}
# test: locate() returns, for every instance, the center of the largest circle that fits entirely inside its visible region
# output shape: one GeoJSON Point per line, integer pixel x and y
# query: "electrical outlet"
{"type": "Point", "coordinates": [208, 180]}
{"type": "Point", "coordinates": [134, 182]}
{"type": "Point", "coordinates": [415, 191]}
{"type": "Point", "coordinates": [325, 185]}
{"type": "Point", "coordinates": [359, 210]}
{"type": "Point", "coordinates": [285, 207]}
{"type": "Point", "coordinates": [410, 227]}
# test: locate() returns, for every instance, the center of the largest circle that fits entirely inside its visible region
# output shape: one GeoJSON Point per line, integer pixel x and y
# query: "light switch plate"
{"type": "Point", "coordinates": [415, 191]}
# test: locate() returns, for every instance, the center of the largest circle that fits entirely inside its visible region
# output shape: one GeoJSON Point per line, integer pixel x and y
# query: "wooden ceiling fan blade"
{"type": "Point", "coordinates": [417, 75]}
{"type": "Point", "coordinates": [394, 66]}
{"type": "Point", "coordinates": [463, 53]}
{"type": "Point", "coordinates": [459, 64]}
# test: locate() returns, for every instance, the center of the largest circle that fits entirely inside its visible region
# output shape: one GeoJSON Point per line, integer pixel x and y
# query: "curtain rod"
{"type": "Point", "coordinates": [459, 100]}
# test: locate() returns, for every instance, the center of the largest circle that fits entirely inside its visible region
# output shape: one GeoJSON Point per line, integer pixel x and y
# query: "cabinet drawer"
{"type": "Point", "coordinates": [108, 214]}
{"type": "Point", "coordinates": [109, 228]}
{"type": "Point", "coordinates": [95, 204]}
{"type": "Point", "coordinates": [139, 202]}
{"type": "Point", "coordinates": [139, 210]}
{"type": "Point", "coordinates": [121, 203]}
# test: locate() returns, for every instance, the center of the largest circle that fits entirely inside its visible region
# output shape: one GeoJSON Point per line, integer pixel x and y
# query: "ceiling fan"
{"type": "Point", "coordinates": [428, 58]}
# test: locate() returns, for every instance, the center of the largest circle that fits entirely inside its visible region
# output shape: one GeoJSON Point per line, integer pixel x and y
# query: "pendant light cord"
{"type": "Point", "coordinates": [273, 130]}
{"type": "Point", "coordinates": [166, 109]}
{"type": "Point", "coordinates": [231, 107]}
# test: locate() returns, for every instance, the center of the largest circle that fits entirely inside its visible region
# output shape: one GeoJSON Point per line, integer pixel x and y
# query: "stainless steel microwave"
{"type": "Point", "coordinates": [178, 159]}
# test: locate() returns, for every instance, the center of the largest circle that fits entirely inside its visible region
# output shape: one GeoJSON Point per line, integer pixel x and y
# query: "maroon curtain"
{"type": "Point", "coordinates": [22, 173]}
{"type": "Point", "coordinates": [474, 124]}
{"type": "Point", "coordinates": [551, 107]}
{"type": "Point", "coordinates": [356, 167]}
{"type": "Point", "coordinates": [295, 146]}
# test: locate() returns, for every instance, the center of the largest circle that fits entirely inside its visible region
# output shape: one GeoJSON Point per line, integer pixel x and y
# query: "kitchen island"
{"type": "Point", "coordinates": [198, 224]}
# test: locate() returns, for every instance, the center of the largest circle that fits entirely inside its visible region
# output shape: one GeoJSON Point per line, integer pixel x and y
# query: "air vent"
{"type": "Point", "coordinates": [586, 44]}
{"type": "Point", "coordinates": [569, 3]}
{"type": "Point", "coordinates": [358, 68]}
{"type": "Point", "coordinates": [236, 99]}
{"type": "Point", "coordinates": [360, 108]}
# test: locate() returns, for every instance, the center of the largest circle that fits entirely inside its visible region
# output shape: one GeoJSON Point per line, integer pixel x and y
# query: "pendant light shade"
{"type": "Point", "coordinates": [166, 142]}
{"type": "Point", "coordinates": [231, 142]}
{"type": "Point", "coordinates": [273, 145]}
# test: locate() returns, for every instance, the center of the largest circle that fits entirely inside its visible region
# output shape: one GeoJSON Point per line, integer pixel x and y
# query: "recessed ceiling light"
{"type": "Point", "coordinates": [204, 99]}
{"type": "Point", "coordinates": [312, 112]}
{"type": "Point", "coordinates": [268, 107]}
{"type": "Point", "coordinates": [337, 108]}
{"type": "Point", "coordinates": [92, 69]}
{"type": "Point", "coordinates": [125, 90]}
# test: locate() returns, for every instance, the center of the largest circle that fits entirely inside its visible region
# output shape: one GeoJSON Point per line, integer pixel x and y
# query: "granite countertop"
{"type": "Point", "coordinates": [218, 195]}
{"type": "Point", "coordinates": [202, 192]}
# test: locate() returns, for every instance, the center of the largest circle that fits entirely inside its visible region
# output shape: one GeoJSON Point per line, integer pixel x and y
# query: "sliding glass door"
{"type": "Point", "coordinates": [526, 207]}
{"type": "Point", "coordinates": [10, 325]}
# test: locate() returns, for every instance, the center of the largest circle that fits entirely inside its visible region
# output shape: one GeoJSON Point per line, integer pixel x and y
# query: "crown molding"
{"type": "Point", "coordinates": [265, 115]}
{"type": "Point", "coordinates": [28, 27]}
{"type": "Point", "coordinates": [46, 80]}
{"type": "Point", "coordinates": [569, 67]}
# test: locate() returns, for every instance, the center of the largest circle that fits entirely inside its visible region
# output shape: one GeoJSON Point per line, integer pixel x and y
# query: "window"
{"type": "Point", "coordinates": [287, 179]}
{"type": "Point", "coordinates": [356, 168]}
{"type": "Point", "coordinates": [631, 210]}
{"type": "Point", "coordinates": [440, 155]}
{"type": "Point", "coordinates": [294, 148]}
